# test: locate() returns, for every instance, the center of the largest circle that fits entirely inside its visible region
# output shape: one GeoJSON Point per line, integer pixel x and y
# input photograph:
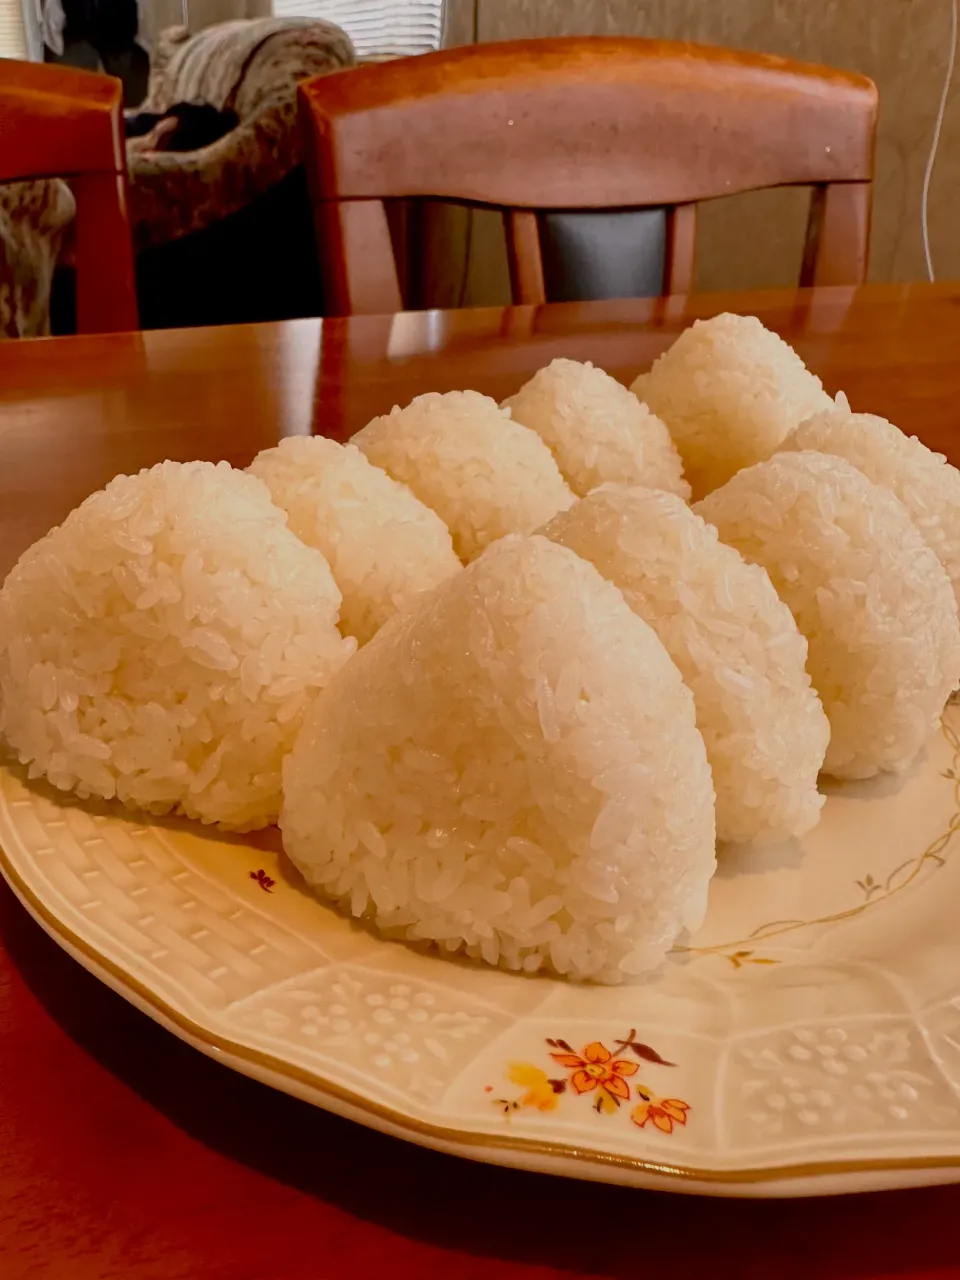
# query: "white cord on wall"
{"type": "Point", "coordinates": [934, 145]}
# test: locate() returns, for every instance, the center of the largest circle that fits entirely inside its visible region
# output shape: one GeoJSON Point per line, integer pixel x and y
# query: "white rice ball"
{"type": "Point", "coordinates": [162, 644]}
{"type": "Point", "coordinates": [872, 599]}
{"type": "Point", "coordinates": [598, 431]}
{"type": "Point", "coordinates": [736, 646]}
{"type": "Point", "coordinates": [729, 391]}
{"type": "Point", "coordinates": [511, 769]}
{"type": "Point", "coordinates": [484, 475]}
{"type": "Point", "coordinates": [383, 545]}
{"type": "Point", "coordinates": [926, 484]}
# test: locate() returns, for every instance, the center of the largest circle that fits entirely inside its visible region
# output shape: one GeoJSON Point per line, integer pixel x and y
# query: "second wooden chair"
{"type": "Point", "coordinates": [57, 122]}
{"type": "Point", "coordinates": [552, 131]}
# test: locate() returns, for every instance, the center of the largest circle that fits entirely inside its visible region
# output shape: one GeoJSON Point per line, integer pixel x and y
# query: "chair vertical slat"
{"type": "Point", "coordinates": [838, 235]}
{"type": "Point", "coordinates": [358, 266]}
{"type": "Point", "coordinates": [681, 249]}
{"type": "Point", "coordinates": [523, 251]}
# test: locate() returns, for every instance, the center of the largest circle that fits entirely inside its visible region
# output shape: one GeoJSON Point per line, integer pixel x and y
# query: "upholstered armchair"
{"type": "Point", "coordinates": [224, 233]}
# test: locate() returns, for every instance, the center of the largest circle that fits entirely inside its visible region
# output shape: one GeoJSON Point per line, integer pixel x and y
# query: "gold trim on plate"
{"type": "Point", "coordinates": [421, 1131]}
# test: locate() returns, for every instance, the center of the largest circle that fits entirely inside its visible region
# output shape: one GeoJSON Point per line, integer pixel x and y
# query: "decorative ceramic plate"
{"type": "Point", "coordinates": [806, 1041]}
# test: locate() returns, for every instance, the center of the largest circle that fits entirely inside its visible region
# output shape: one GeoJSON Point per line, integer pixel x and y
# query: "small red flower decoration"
{"type": "Point", "coordinates": [263, 880]}
{"type": "Point", "coordinates": [597, 1068]}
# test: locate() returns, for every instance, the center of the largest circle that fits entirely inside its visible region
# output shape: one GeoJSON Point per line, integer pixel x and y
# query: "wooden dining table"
{"type": "Point", "coordinates": [125, 1154]}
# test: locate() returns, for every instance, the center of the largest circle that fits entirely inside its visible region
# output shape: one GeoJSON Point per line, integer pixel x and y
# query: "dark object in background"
{"type": "Point", "coordinates": [239, 270]}
{"type": "Point", "coordinates": [608, 253]}
{"type": "Point", "coordinates": [102, 35]}
{"type": "Point", "coordinates": [191, 126]}
{"type": "Point", "coordinates": [236, 271]}
{"type": "Point", "coordinates": [110, 25]}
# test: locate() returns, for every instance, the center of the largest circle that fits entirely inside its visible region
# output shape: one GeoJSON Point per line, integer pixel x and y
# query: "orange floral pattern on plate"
{"type": "Point", "coordinates": [599, 1069]}
{"type": "Point", "coordinates": [605, 1075]}
{"type": "Point", "coordinates": [664, 1113]}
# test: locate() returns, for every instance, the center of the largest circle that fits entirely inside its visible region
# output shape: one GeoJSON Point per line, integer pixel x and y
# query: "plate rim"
{"type": "Point", "coordinates": [314, 1087]}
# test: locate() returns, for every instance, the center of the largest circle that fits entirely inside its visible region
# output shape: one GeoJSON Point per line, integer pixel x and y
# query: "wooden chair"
{"type": "Point", "coordinates": [548, 129]}
{"type": "Point", "coordinates": [57, 122]}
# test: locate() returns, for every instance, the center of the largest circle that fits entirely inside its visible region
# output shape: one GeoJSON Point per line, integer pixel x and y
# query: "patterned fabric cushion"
{"type": "Point", "coordinates": [33, 216]}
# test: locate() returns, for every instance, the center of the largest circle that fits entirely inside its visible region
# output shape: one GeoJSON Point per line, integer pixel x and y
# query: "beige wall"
{"type": "Point", "coordinates": [901, 44]}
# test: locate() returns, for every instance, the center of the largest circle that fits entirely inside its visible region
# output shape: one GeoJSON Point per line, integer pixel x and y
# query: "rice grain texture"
{"type": "Point", "coordinates": [383, 545]}
{"type": "Point", "coordinates": [872, 599]}
{"type": "Point", "coordinates": [510, 769]}
{"type": "Point", "coordinates": [735, 644]}
{"type": "Point", "coordinates": [597, 430]}
{"type": "Point", "coordinates": [483, 474]}
{"type": "Point", "coordinates": [162, 644]}
{"type": "Point", "coordinates": [926, 484]}
{"type": "Point", "coordinates": [729, 391]}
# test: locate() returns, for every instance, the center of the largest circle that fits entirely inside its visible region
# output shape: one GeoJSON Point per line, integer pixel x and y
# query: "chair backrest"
{"type": "Point", "coordinates": [57, 122]}
{"type": "Point", "coordinates": [539, 128]}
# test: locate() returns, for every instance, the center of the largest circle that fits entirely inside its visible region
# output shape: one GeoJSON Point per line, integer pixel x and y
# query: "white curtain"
{"type": "Point", "coordinates": [13, 30]}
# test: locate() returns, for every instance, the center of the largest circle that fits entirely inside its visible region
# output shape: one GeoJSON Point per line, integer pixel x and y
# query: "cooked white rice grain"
{"type": "Point", "coordinates": [598, 431]}
{"type": "Point", "coordinates": [483, 474]}
{"type": "Point", "coordinates": [736, 646]}
{"type": "Point", "coordinates": [511, 769]}
{"type": "Point", "coordinates": [729, 391]}
{"type": "Point", "coordinates": [873, 601]}
{"type": "Point", "coordinates": [383, 545]}
{"type": "Point", "coordinates": [926, 484]}
{"type": "Point", "coordinates": [162, 644]}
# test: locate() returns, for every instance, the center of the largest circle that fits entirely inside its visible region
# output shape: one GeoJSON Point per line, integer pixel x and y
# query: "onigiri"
{"type": "Point", "coordinates": [872, 599]}
{"type": "Point", "coordinates": [483, 474]}
{"type": "Point", "coordinates": [511, 769]}
{"type": "Point", "coordinates": [735, 644]}
{"type": "Point", "coordinates": [162, 644]}
{"type": "Point", "coordinates": [383, 545]}
{"type": "Point", "coordinates": [729, 391]}
{"type": "Point", "coordinates": [597, 430]}
{"type": "Point", "coordinates": [926, 484]}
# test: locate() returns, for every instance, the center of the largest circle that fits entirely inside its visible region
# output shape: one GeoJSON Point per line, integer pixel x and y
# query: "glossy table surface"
{"type": "Point", "coordinates": [123, 1153]}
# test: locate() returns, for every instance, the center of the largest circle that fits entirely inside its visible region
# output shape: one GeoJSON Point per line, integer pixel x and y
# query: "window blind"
{"type": "Point", "coordinates": [13, 36]}
{"type": "Point", "coordinates": [378, 28]}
